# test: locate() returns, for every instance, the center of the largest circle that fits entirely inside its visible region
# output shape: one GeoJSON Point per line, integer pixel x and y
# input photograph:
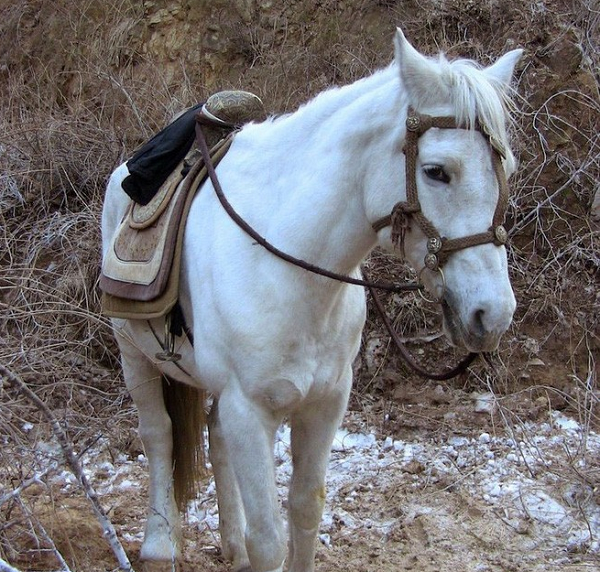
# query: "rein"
{"type": "Point", "coordinates": [372, 286]}
{"type": "Point", "coordinates": [201, 140]}
{"type": "Point", "coordinates": [438, 248]}
{"type": "Point", "coordinates": [439, 376]}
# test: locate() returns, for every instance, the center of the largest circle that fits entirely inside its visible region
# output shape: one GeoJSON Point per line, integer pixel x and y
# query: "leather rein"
{"type": "Point", "coordinates": [439, 248]}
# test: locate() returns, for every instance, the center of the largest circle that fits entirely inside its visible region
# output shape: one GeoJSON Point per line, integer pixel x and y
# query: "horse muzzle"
{"type": "Point", "coordinates": [479, 328]}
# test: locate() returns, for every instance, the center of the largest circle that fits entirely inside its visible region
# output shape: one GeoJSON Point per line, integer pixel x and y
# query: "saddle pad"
{"type": "Point", "coordinates": [143, 216]}
{"type": "Point", "coordinates": [140, 272]}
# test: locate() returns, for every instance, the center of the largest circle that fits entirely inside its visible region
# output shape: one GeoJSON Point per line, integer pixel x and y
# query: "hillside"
{"type": "Point", "coordinates": [82, 84]}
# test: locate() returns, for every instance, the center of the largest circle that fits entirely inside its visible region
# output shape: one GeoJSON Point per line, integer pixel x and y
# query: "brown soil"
{"type": "Point", "coordinates": [82, 84]}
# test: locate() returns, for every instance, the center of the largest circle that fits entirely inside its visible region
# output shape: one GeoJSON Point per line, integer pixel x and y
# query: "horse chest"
{"type": "Point", "coordinates": [297, 371]}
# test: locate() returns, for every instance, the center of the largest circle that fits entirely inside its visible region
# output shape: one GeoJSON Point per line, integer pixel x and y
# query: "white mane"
{"type": "Point", "coordinates": [474, 96]}
{"type": "Point", "coordinates": [477, 98]}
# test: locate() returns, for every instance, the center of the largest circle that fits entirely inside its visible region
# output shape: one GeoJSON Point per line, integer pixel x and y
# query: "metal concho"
{"type": "Point", "coordinates": [434, 244]}
{"type": "Point", "coordinates": [431, 261]}
{"type": "Point", "coordinates": [413, 123]}
{"type": "Point", "coordinates": [500, 235]}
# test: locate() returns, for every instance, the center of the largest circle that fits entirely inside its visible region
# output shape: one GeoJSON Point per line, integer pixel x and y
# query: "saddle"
{"type": "Point", "coordinates": [140, 271]}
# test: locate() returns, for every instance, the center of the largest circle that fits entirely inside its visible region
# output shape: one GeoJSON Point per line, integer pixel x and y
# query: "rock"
{"type": "Point", "coordinates": [413, 467]}
{"type": "Point", "coordinates": [439, 396]}
{"type": "Point", "coordinates": [484, 402]}
{"type": "Point", "coordinates": [564, 55]}
{"type": "Point", "coordinates": [374, 351]}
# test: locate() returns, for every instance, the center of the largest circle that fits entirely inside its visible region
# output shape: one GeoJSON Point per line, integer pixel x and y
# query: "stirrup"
{"type": "Point", "coordinates": [168, 353]}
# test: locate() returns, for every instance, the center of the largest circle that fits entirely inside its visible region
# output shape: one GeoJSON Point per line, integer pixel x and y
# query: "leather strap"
{"type": "Point", "coordinates": [440, 248]}
{"type": "Point", "coordinates": [412, 364]}
{"type": "Point", "coordinates": [201, 141]}
{"type": "Point", "coordinates": [372, 286]}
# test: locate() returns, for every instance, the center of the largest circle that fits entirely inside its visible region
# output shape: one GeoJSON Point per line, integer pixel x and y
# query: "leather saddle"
{"type": "Point", "coordinates": [140, 272]}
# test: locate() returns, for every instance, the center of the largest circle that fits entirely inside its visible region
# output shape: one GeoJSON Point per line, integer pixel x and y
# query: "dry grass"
{"type": "Point", "coordinates": [74, 109]}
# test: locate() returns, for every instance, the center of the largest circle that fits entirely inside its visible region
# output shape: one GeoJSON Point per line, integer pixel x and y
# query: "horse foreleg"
{"type": "Point", "coordinates": [232, 521]}
{"type": "Point", "coordinates": [162, 539]}
{"type": "Point", "coordinates": [249, 428]}
{"type": "Point", "coordinates": [313, 430]}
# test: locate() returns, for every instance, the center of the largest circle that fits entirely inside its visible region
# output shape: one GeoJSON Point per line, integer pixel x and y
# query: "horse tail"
{"type": "Point", "coordinates": [185, 406]}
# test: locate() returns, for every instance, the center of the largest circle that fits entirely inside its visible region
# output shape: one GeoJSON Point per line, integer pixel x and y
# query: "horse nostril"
{"type": "Point", "coordinates": [478, 325]}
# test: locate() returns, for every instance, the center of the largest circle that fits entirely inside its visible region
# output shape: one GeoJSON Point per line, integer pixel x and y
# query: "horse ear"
{"type": "Point", "coordinates": [502, 70]}
{"type": "Point", "coordinates": [419, 74]}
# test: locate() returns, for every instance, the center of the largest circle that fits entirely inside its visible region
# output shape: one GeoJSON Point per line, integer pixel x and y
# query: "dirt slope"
{"type": "Point", "coordinates": [83, 83]}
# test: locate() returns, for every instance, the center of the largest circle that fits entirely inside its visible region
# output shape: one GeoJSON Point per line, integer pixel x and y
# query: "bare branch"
{"type": "Point", "coordinates": [6, 567]}
{"type": "Point", "coordinates": [35, 480]}
{"type": "Point", "coordinates": [74, 465]}
{"type": "Point", "coordinates": [37, 524]}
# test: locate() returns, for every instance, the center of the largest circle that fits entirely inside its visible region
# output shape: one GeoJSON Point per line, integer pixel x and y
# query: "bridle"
{"type": "Point", "coordinates": [438, 248]}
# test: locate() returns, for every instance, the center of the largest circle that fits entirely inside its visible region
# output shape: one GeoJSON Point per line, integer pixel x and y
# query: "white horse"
{"type": "Point", "coordinates": [273, 341]}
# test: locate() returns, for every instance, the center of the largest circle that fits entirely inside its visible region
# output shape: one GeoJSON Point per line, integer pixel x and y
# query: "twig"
{"type": "Point", "coordinates": [508, 424]}
{"type": "Point", "coordinates": [36, 479]}
{"type": "Point", "coordinates": [37, 524]}
{"type": "Point", "coordinates": [534, 213]}
{"type": "Point", "coordinates": [6, 567]}
{"type": "Point", "coordinates": [127, 95]}
{"type": "Point", "coordinates": [74, 465]}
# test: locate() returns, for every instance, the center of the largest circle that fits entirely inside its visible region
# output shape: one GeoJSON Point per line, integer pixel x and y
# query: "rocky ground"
{"type": "Point", "coordinates": [437, 476]}
{"type": "Point", "coordinates": [479, 497]}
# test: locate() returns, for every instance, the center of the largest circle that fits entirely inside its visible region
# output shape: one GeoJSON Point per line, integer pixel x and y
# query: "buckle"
{"type": "Point", "coordinates": [168, 345]}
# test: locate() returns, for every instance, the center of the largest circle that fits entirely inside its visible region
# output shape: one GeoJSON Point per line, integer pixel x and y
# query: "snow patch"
{"type": "Point", "coordinates": [506, 474]}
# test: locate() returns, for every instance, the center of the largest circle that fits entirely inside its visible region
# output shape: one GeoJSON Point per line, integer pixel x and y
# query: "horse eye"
{"type": "Point", "coordinates": [437, 173]}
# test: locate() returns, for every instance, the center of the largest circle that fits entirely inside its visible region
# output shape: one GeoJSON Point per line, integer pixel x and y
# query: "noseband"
{"type": "Point", "coordinates": [439, 248]}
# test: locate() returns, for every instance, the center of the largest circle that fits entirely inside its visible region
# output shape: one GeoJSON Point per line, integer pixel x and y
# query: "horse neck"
{"type": "Point", "coordinates": [327, 151]}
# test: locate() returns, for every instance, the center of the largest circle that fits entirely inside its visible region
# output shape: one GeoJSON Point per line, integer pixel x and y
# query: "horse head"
{"type": "Point", "coordinates": [457, 159]}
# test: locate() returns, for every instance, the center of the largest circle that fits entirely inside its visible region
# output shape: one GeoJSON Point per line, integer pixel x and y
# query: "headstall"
{"type": "Point", "coordinates": [439, 248]}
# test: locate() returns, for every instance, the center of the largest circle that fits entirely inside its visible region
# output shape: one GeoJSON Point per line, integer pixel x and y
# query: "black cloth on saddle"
{"type": "Point", "coordinates": [155, 160]}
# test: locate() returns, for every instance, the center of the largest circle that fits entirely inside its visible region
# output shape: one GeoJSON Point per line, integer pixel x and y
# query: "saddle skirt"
{"type": "Point", "coordinates": [140, 271]}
